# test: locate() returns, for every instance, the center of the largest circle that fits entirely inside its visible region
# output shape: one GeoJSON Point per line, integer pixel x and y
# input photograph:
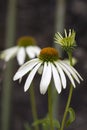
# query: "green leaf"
{"type": "Point", "coordinates": [46, 122]}
{"type": "Point", "coordinates": [26, 126]}
{"type": "Point", "coordinates": [56, 124]}
{"type": "Point", "coordinates": [40, 121]}
{"type": "Point", "coordinates": [71, 116]}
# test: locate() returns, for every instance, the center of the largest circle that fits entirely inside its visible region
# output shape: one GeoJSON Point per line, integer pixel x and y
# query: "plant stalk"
{"type": "Point", "coordinates": [69, 98]}
{"type": "Point", "coordinates": [33, 105]}
{"type": "Point", "coordinates": [50, 107]}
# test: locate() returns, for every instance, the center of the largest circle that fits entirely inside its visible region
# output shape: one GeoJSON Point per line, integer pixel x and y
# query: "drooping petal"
{"type": "Point", "coordinates": [56, 79]}
{"type": "Point", "coordinates": [20, 80]}
{"type": "Point", "coordinates": [21, 55]}
{"type": "Point", "coordinates": [62, 75]}
{"type": "Point", "coordinates": [30, 52]}
{"type": "Point", "coordinates": [30, 77]}
{"type": "Point", "coordinates": [9, 53]}
{"type": "Point", "coordinates": [69, 68]}
{"type": "Point", "coordinates": [25, 68]}
{"type": "Point", "coordinates": [37, 50]}
{"type": "Point", "coordinates": [46, 78]}
{"type": "Point", "coordinates": [68, 74]}
{"type": "Point", "coordinates": [76, 73]}
{"type": "Point", "coordinates": [33, 51]}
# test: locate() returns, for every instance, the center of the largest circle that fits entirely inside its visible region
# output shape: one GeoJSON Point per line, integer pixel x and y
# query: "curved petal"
{"type": "Point", "coordinates": [76, 72]}
{"type": "Point", "coordinates": [33, 51]}
{"type": "Point", "coordinates": [20, 80]}
{"type": "Point", "coordinates": [9, 53]}
{"type": "Point", "coordinates": [36, 50]}
{"type": "Point", "coordinates": [46, 78]}
{"type": "Point", "coordinates": [62, 75]}
{"type": "Point", "coordinates": [68, 67]}
{"type": "Point", "coordinates": [25, 68]}
{"type": "Point", "coordinates": [30, 77]}
{"type": "Point", "coordinates": [56, 79]}
{"type": "Point", "coordinates": [21, 55]}
{"type": "Point", "coordinates": [30, 52]}
{"type": "Point", "coordinates": [68, 74]}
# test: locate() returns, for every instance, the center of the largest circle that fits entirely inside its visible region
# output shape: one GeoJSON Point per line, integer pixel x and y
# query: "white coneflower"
{"type": "Point", "coordinates": [26, 46]}
{"type": "Point", "coordinates": [51, 66]}
{"type": "Point", "coordinates": [68, 41]}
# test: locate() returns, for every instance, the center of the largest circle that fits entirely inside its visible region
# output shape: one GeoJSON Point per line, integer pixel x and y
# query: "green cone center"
{"type": "Point", "coordinates": [26, 41]}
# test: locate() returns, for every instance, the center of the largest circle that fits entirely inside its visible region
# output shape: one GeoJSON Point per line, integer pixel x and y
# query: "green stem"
{"type": "Point", "coordinates": [69, 98]}
{"type": "Point", "coordinates": [70, 57]}
{"type": "Point", "coordinates": [33, 105]}
{"type": "Point", "coordinates": [50, 107]}
{"type": "Point", "coordinates": [67, 106]}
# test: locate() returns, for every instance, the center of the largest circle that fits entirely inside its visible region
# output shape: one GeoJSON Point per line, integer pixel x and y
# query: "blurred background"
{"type": "Point", "coordinates": [40, 19]}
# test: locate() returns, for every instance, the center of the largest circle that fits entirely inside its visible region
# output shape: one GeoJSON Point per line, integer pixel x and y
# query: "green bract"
{"type": "Point", "coordinates": [68, 41]}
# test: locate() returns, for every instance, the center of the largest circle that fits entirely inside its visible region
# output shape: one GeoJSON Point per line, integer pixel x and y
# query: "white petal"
{"type": "Point", "coordinates": [25, 68]}
{"type": "Point", "coordinates": [62, 75]}
{"type": "Point", "coordinates": [59, 35]}
{"type": "Point", "coordinates": [76, 73]}
{"type": "Point", "coordinates": [21, 55]}
{"type": "Point", "coordinates": [65, 32]}
{"type": "Point", "coordinates": [74, 62]}
{"type": "Point", "coordinates": [20, 80]}
{"type": "Point", "coordinates": [30, 52]}
{"type": "Point", "coordinates": [37, 50]}
{"type": "Point", "coordinates": [40, 70]}
{"type": "Point", "coordinates": [69, 32]}
{"type": "Point", "coordinates": [69, 68]}
{"type": "Point", "coordinates": [9, 53]}
{"type": "Point", "coordinates": [30, 77]}
{"type": "Point", "coordinates": [46, 78]}
{"type": "Point", "coordinates": [68, 74]}
{"type": "Point", "coordinates": [33, 51]}
{"type": "Point", "coordinates": [56, 78]}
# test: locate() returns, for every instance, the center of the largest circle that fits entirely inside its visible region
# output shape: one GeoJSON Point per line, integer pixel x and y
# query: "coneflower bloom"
{"type": "Point", "coordinates": [68, 41]}
{"type": "Point", "coordinates": [26, 46]}
{"type": "Point", "coordinates": [50, 66]}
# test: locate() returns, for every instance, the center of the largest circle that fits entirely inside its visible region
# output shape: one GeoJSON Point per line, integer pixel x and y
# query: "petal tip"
{"type": "Point", "coordinates": [14, 78]}
{"type": "Point", "coordinates": [42, 92]}
{"type": "Point", "coordinates": [25, 89]}
{"type": "Point", "coordinates": [59, 91]}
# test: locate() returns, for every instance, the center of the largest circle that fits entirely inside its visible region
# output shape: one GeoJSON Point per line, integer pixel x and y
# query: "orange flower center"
{"type": "Point", "coordinates": [49, 54]}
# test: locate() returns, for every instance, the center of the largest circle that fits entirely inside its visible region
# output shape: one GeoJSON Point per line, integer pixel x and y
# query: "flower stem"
{"type": "Point", "coordinates": [69, 98]}
{"type": "Point", "coordinates": [33, 105]}
{"type": "Point", "coordinates": [50, 107]}
{"type": "Point", "coordinates": [66, 109]}
{"type": "Point", "coordinates": [70, 57]}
